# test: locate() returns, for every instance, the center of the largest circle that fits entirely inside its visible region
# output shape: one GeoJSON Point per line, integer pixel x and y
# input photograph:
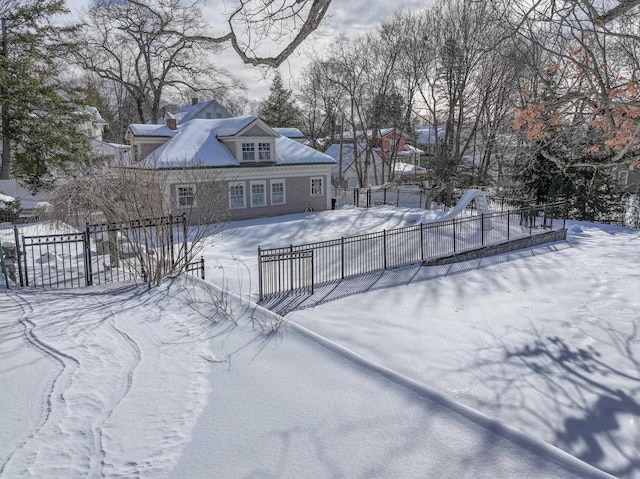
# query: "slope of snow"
{"type": "Point", "coordinates": [479, 371]}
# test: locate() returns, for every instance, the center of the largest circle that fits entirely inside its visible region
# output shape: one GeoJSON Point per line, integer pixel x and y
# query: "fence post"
{"type": "Point", "coordinates": [88, 270]}
{"type": "Point", "coordinates": [482, 229]}
{"type": "Point", "coordinates": [202, 267]}
{"type": "Point", "coordinates": [508, 225]}
{"type": "Point", "coordinates": [171, 249]}
{"type": "Point", "coordinates": [19, 253]}
{"type": "Point", "coordinates": [422, 241]}
{"type": "Point", "coordinates": [312, 271]}
{"type": "Point", "coordinates": [454, 234]}
{"type": "Point", "coordinates": [384, 247]}
{"type": "Point", "coordinates": [342, 256]}
{"type": "Point", "coordinates": [26, 273]}
{"type": "Point", "coordinates": [384, 201]}
{"type": "Point", "coordinates": [291, 265]}
{"type": "Point", "coordinates": [260, 296]}
{"type": "Point", "coordinates": [184, 238]}
{"type": "Point", "coordinates": [356, 197]}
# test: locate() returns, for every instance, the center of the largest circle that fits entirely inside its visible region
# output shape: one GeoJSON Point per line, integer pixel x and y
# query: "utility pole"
{"type": "Point", "coordinates": [6, 140]}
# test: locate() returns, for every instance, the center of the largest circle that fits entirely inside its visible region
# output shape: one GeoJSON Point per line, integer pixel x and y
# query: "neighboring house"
{"type": "Point", "coordinates": [428, 139]}
{"type": "Point", "coordinates": [205, 110]}
{"type": "Point", "coordinates": [390, 145]}
{"type": "Point", "coordinates": [628, 178]}
{"type": "Point", "coordinates": [264, 173]}
{"type": "Point", "coordinates": [350, 169]}
{"type": "Point", "coordinates": [94, 127]}
{"type": "Point", "coordinates": [292, 133]}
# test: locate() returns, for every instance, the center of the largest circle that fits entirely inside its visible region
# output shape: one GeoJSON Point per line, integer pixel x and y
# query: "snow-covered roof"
{"type": "Point", "coordinates": [102, 148]}
{"type": "Point", "coordinates": [4, 199]}
{"type": "Point", "coordinates": [187, 113]}
{"type": "Point", "coordinates": [401, 168]}
{"type": "Point", "coordinates": [197, 143]}
{"type": "Point", "coordinates": [426, 135]}
{"type": "Point", "coordinates": [380, 133]}
{"type": "Point", "coordinates": [94, 114]}
{"type": "Point", "coordinates": [347, 154]}
{"type": "Point", "coordinates": [139, 129]}
{"type": "Point", "coordinates": [410, 151]}
{"type": "Point", "coordinates": [290, 132]}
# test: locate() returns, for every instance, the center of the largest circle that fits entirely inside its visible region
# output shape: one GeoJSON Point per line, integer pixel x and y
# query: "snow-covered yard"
{"type": "Point", "coordinates": [521, 365]}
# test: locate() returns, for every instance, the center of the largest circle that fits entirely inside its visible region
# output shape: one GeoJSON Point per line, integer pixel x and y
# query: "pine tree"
{"type": "Point", "coordinates": [279, 109]}
{"type": "Point", "coordinates": [40, 116]}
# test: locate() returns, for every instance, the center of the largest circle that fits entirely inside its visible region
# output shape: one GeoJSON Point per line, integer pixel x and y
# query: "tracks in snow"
{"type": "Point", "coordinates": [95, 362]}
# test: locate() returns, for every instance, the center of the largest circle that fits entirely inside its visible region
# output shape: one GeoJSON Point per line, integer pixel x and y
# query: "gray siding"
{"type": "Point", "coordinates": [255, 130]}
{"type": "Point", "coordinates": [298, 200]}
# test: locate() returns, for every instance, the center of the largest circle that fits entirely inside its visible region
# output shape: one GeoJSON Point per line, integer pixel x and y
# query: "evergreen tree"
{"type": "Point", "coordinates": [279, 109]}
{"type": "Point", "coordinates": [40, 116]}
{"type": "Point", "coordinates": [592, 194]}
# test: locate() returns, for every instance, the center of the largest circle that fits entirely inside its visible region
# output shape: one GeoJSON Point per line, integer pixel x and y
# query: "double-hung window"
{"type": "Point", "coordinates": [236, 196]}
{"type": "Point", "coordinates": [264, 151]}
{"type": "Point", "coordinates": [277, 192]}
{"type": "Point", "coordinates": [317, 187]}
{"type": "Point", "coordinates": [258, 193]}
{"type": "Point", "coordinates": [186, 196]}
{"type": "Point", "coordinates": [248, 152]}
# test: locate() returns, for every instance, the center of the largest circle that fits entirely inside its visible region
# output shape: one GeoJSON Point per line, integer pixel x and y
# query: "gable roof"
{"type": "Point", "coordinates": [197, 143]}
{"type": "Point", "coordinates": [348, 156]}
{"type": "Point", "coordinates": [188, 112]}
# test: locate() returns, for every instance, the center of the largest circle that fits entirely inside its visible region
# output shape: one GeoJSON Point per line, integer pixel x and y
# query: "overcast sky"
{"type": "Point", "coordinates": [352, 17]}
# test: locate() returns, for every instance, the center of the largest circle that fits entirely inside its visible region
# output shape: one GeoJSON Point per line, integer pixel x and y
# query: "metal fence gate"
{"type": "Point", "coordinates": [103, 253]}
{"type": "Point", "coordinates": [55, 260]}
{"type": "Point", "coordinates": [285, 272]}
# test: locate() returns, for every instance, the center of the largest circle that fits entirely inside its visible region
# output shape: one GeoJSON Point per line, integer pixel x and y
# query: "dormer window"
{"type": "Point", "coordinates": [259, 151]}
{"type": "Point", "coordinates": [248, 152]}
{"type": "Point", "coordinates": [264, 151]}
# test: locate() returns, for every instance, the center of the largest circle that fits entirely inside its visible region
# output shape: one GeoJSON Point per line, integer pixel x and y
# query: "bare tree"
{"type": "Point", "coordinates": [253, 23]}
{"type": "Point", "coordinates": [143, 49]}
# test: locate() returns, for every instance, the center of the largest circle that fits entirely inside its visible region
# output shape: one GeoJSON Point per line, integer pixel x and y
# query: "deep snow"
{"type": "Point", "coordinates": [474, 372]}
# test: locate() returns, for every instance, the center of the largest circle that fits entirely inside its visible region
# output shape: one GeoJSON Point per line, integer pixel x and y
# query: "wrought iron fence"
{"type": "Point", "coordinates": [300, 268]}
{"type": "Point", "coordinates": [102, 253]}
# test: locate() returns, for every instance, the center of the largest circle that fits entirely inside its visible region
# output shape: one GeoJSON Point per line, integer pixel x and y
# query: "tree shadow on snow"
{"type": "Point", "coordinates": [586, 401]}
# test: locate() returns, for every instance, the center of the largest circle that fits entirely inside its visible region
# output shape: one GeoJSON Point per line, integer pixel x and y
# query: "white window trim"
{"type": "Point", "coordinates": [242, 151]}
{"type": "Point", "coordinates": [264, 193]}
{"type": "Point", "coordinates": [244, 195]}
{"type": "Point", "coordinates": [284, 191]}
{"type": "Point", "coordinates": [256, 149]}
{"type": "Point", "coordinates": [322, 186]}
{"type": "Point", "coordinates": [193, 189]}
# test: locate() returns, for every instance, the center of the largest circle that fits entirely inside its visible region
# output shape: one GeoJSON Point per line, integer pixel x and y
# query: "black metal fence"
{"type": "Point", "coordinates": [102, 253]}
{"type": "Point", "coordinates": [300, 268]}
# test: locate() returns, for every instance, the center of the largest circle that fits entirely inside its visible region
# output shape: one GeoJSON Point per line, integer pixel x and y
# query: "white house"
{"type": "Point", "coordinates": [351, 170]}
{"type": "Point", "coordinates": [264, 173]}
